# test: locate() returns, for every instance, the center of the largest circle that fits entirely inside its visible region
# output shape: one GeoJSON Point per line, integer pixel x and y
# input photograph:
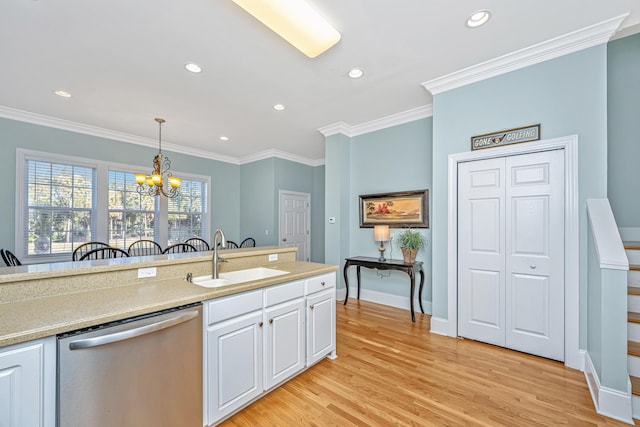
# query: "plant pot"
{"type": "Point", "coordinates": [409, 255]}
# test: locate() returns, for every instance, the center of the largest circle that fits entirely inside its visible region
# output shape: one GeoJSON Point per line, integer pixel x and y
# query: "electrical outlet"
{"type": "Point", "coordinates": [273, 257]}
{"type": "Point", "coordinates": [146, 272]}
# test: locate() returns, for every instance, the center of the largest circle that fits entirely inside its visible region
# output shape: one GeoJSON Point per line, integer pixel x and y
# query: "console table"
{"type": "Point", "coordinates": [390, 264]}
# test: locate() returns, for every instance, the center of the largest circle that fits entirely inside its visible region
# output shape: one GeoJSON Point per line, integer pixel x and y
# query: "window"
{"type": "Point", "coordinates": [131, 215]}
{"type": "Point", "coordinates": [186, 212]}
{"type": "Point", "coordinates": [64, 201]}
{"type": "Point", "coordinates": [60, 206]}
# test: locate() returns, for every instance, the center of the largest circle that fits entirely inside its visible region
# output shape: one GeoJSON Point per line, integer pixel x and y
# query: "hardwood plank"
{"type": "Point", "coordinates": [633, 348]}
{"type": "Point", "coordinates": [391, 372]}
{"type": "Point", "coordinates": [633, 317]}
{"type": "Point", "coordinates": [634, 267]}
{"type": "Point", "coordinates": [635, 385]}
{"type": "Point", "coordinates": [633, 290]}
{"type": "Point", "coordinates": [631, 245]}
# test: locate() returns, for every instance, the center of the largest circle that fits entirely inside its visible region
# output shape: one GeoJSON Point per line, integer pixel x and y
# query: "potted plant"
{"type": "Point", "coordinates": [410, 242]}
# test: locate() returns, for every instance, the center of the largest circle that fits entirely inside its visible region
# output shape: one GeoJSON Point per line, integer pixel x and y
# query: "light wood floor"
{"type": "Point", "coordinates": [391, 372]}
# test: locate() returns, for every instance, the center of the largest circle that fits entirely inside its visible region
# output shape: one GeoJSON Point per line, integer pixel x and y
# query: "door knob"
{"type": "Point", "coordinates": [532, 266]}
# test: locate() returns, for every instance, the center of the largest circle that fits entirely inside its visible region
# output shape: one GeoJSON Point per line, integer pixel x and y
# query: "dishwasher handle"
{"type": "Point", "coordinates": [132, 333]}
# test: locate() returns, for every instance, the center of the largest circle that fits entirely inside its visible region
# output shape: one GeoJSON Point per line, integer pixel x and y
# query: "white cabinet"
{"type": "Point", "coordinates": [256, 340]}
{"type": "Point", "coordinates": [233, 354]}
{"type": "Point", "coordinates": [284, 332]}
{"type": "Point", "coordinates": [321, 317]}
{"type": "Point", "coordinates": [28, 384]}
{"type": "Point", "coordinates": [321, 326]}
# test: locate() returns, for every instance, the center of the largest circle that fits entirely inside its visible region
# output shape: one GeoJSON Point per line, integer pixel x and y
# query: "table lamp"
{"type": "Point", "coordinates": [381, 234]}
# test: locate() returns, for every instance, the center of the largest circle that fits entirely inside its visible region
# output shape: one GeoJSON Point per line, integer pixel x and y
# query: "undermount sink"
{"type": "Point", "coordinates": [240, 276]}
{"type": "Point", "coordinates": [208, 282]}
{"type": "Point", "coordinates": [251, 274]}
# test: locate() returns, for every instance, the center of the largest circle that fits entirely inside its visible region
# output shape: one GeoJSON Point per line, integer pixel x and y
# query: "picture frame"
{"type": "Point", "coordinates": [397, 210]}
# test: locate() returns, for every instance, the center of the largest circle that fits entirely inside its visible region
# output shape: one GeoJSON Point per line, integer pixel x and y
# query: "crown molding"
{"type": "Point", "coordinates": [559, 46]}
{"type": "Point", "coordinates": [336, 128]}
{"type": "Point", "coordinates": [282, 155]}
{"type": "Point", "coordinates": [396, 119]}
{"type": "Point", "coordinates": [54, 122]}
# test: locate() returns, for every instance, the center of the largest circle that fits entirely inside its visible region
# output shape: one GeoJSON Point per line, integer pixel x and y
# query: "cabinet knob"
{"type": "Point", "coordinates": [284, 239]}
{"type": "Point", "coordinates": [270, 320]}
{"type": "Point", "coordinates": [260, 324]}
{"type": "Point", "coordinates": [533, 266]}
{"type": "Point", "coordinates": [311, 307]}
{"type": "Point", "coordinates": [322, 283]}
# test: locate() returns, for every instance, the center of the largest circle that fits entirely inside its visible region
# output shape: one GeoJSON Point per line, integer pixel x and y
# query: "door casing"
{"type": "Point", "coordinates": [574, 357]}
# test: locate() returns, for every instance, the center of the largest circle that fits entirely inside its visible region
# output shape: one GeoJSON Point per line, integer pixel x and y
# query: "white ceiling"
{"type": "Point", "coordinates": [123, 62]}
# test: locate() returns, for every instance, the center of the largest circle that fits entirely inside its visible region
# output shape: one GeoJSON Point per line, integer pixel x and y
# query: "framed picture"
{"type": "Point", "coordinates": [401, 209]}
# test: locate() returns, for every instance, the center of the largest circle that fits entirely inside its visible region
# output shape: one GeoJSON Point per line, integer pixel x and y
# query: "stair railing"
{"type": "Point", "coordinates": [606, 358]}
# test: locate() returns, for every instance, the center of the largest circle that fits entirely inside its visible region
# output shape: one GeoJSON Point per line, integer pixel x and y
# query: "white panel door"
{"type": "Point", "coordinates": [535, 254]}
{"type": "Point", "coordinates": [481, 246]}
{"type": "Point", "coordinates": [294, 223]}
{"type": "Point", "coordinates": [511, 252]}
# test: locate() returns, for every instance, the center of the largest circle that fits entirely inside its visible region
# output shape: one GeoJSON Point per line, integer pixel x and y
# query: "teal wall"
{"type": "Point", "coordinates": [392, 159]}
{"type": "Point", "coordinates": [261, 182]}
{"type": "Point", "coordinates": [377, 169]}
{"type": "Point", "coordinates": [337, 156]}
{"type": "Point", "coordinates": [623, 84]}
{"type": "Point", "coordinates": [567, 96]}
{"type": "Point", "coordinates": [257, 209]}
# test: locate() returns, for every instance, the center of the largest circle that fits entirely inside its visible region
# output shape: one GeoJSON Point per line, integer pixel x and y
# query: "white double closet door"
{"type": "Point", "coordinates": [511, 252]}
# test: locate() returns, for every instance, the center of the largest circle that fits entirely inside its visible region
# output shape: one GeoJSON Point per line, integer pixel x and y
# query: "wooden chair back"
{"type": "Point", "coordinates": [9, 258]}
{"type": "Point", "coordinates": [198, 243]}
{"type": "Point", "coordinates": [86, 247]}
{"type": "Point", "coordinates": [249, 242]}
{"type": "Point", "coordinates": [179, 248]}
{"type": "Point", "coordinates": [104, 253]}
{"type": "Point", "coordinates": [144, 247]}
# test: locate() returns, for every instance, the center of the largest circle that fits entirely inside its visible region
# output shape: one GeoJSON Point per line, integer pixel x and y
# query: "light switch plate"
{"type": "Point", "coordinates": [146, 272]}
{"type": "Point", "coordinates": [273, 257]}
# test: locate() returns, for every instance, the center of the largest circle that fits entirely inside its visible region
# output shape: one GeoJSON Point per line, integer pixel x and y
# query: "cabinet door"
{"type": "Point", "coordinates": [321, 325]}
{"type": "Point", "coordinates": [234, 368]}
{"type": "Point", "coordinates": [284, 341]}
{"type": "Point", "coordinates": [27, 384]}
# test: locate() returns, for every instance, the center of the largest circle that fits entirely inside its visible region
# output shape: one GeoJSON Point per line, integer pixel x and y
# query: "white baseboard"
{"type": "Point", "coordinates": [385, 299]}
{"type": "Point", "coordinates": [608, 402]}
{"type": "Point", "coordinates": [439, 326]}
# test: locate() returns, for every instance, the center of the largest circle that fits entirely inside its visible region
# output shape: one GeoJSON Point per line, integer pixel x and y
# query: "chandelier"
{"type": "Point", "coordinates": [154, 184]}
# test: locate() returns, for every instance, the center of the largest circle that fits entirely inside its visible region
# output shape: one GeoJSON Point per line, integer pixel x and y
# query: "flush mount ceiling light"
{"type": "Point", "coordinates": [278, 107]}
{"type": "Point", "coordinates": [224, 138]}
{"type": "Point", "coordinates": [296, 22]}
{"type": "Point", "coordinates": [161, 177]}
{"type": "Point", "coordinates": [62, 93]}
{"type": "Point", "coordinates": [356, 73]}
{"type": "Point", "coordinates": [478, 18]}
{"type": "Point", "coordinates": [194, 68]}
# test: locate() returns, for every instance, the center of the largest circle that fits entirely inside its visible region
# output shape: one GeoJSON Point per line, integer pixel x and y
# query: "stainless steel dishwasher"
{"type": "Point", "coordinates": [142, 371]}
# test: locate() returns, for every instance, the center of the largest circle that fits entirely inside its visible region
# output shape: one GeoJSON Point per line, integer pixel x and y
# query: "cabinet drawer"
{"type": "Point", "coordinates": [319, 283]}
{"type": "Point", "coordinates": [232, 306]}
{"type": "Point", "coordinates": [285, 292]}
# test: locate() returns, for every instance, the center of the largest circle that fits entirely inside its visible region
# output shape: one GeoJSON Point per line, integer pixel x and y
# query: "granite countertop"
{"type": "Point", "coordinates": [30, 319]}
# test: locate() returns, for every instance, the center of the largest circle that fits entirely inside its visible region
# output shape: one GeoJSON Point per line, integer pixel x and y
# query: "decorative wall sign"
{"type": "Point", "coordinates": [397, 210]}
{"type": "Point", "coordinates": [506, 137]}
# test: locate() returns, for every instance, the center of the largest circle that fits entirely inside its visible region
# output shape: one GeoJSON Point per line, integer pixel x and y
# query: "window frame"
{"type": "Point", "coordinates": [101, 197]}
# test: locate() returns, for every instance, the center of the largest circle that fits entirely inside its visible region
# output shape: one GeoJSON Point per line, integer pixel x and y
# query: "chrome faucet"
{"type": "Point", "coordinates": [215, 260]}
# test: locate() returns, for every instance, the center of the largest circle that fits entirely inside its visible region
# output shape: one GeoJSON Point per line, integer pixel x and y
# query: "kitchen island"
{"type": "Point", "coordinates": [38, 302]}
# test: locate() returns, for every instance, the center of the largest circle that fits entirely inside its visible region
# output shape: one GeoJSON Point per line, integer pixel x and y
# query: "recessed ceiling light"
{"type": "Point", "coordinates": [356, 73]}
{"type": "Point", "coordinates": [194, 68]}
{"type": "Point", "coordinates": [278, 107]}
{"type": "Point", "coordinates": [478, 18]}
{"type": "Point", "coordinates": [62, 93]}
{"type": "Point", "coordinates": [224, 138]}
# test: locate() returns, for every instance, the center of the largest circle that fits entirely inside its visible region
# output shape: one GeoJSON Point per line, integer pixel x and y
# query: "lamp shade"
{"type": "Point", "coordinates": [381, 233]}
